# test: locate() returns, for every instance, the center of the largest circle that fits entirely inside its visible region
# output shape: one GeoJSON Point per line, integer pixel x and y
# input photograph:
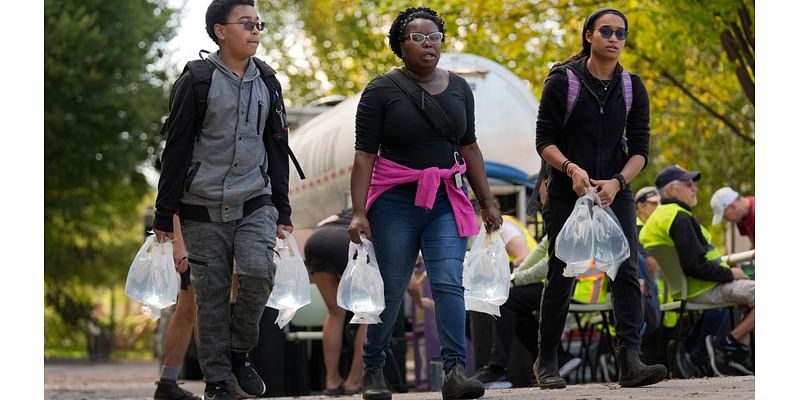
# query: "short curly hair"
{"type": "Point", "coordinates": [399, 25]}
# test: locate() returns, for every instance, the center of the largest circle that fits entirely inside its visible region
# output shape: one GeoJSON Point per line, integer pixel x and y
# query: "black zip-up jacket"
{"type": "Point", "coordinates": [592, 138]}
{"type": "Point", "coordinates": [692, 248]}
{"type": "Point", "coordinates": [182, 129]}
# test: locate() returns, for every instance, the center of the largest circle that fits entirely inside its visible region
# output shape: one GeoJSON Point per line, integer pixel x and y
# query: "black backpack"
{"type": "Point", "coordinates": [201, 71]}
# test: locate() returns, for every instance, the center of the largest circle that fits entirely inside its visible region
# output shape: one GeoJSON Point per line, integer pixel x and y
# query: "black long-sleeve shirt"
{"type": "Point", "coordinates": [592, 137]}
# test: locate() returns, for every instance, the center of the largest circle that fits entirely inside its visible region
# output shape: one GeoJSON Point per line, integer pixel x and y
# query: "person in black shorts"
{"type": "Point", "coordinates": [326, 258]}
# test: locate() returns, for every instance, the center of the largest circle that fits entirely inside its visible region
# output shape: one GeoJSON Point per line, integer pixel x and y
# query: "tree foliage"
{"type": "Point", "coordinates": [697, 60]}
{"type": "Point", "coordinates": [104, 99]}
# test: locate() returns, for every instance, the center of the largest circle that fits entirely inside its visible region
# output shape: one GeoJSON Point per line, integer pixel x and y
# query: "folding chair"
{"type": "Point", "coordinates": [676, 286]}
{"type": "Point", "coordinates": [586, 328]}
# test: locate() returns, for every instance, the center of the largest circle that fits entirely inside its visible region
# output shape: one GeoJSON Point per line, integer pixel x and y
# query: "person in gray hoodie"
{"type": "Point", "coordinates": [225, 172]}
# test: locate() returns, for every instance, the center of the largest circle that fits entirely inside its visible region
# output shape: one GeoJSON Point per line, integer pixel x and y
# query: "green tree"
{"type": "Point", "coordinates": [697, 60]}
{"type": "Point", "coordinates": [104, 97]}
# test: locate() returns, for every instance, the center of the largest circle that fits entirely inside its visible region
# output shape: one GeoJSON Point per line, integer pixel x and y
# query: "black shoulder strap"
{"type": "Point", "coordinates": [419, 96]}
{"type": "Point", "coordinates": [200, 71]}
{"type": "Point", "coordinates": [267, 73]}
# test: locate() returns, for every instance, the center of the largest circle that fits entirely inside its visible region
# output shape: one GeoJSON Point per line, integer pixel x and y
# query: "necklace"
{"type": "Point", "coordinates": [605, 84]}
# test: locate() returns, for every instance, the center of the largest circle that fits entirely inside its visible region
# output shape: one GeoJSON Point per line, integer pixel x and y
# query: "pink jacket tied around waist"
{"type": "Point", "coordinates": [387, 174]}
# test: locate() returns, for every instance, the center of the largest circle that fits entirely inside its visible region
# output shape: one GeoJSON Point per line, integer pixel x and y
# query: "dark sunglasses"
{"type": "Point", "coordinates": [419, 38]}
{"type": "Point", "coordinates": [606, 33]}
{"type": "Point", "coordinates": [248, 26]}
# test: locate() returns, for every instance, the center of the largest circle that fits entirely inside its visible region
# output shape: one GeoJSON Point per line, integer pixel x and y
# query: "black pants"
{"type": "Point", "coordinates": [516, 317]}
{"type": "Point", "coordinates": [558, 290]}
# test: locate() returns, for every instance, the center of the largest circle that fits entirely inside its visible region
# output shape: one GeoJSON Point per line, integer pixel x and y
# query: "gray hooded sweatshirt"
{"type": "Point", "coordinates": [229, 162]}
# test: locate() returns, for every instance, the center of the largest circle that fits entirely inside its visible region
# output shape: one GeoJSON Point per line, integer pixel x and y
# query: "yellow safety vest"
{"type": "Point", "coordinates": [656, 233]}
{"type": "Point", "coordinates": [591, 288]}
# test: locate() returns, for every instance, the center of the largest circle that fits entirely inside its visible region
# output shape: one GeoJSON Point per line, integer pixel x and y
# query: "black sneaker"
{"type": "Point", "coordinates": [456, 385]}
{"type": "Point", "coordinates": [245, 378]}
{"type": "Point", "coordinates": [171, 391]}
{"type": "Point", "coordinates": [218, 391]}
{"type": "Point", "coordinates": [726, 359]}
{"type": "Point", "coordinates": [490, 373]}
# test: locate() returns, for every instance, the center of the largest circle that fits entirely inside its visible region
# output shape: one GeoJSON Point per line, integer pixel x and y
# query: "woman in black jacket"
{"type": "Point", "coordinates": [596, 146]}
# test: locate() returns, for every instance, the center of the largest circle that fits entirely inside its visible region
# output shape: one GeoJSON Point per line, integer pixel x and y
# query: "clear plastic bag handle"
{"type": "Point", "coordinates": [288, 238]}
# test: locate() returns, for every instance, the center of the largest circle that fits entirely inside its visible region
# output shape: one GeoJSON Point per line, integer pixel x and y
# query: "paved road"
{"type": "Point", "coordinates": [134, 380]}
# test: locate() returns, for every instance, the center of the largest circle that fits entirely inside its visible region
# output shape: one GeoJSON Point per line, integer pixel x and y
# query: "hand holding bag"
{"type": "Point", "coordinates": [152, 279]}
{"type": "Point", "coordinates": [292, 288]}
{"type": "Point", "coordinates": [361, 287]}
{"type": "Point", "coordinates": [487, 276]}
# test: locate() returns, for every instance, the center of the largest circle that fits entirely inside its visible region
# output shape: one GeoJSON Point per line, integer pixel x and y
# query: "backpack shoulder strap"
{"type": "Point", "coordinates": [268, 76]}
{"type": "Point", "coordinates": [573, 90]}
{"type": "Point", "coordinates": [434, 114]}
{"type": "Point", "coordinates": [200, 71]}
{"type": "Point", "coordinates": [627, 92]}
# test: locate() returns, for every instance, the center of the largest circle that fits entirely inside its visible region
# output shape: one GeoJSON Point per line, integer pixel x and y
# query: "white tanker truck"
{"type": "Point", "coordinates": [505, 126]}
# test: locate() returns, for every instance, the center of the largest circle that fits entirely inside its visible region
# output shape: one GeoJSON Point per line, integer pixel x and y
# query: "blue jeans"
{"type": "Point", "coordinates": [399, 231]}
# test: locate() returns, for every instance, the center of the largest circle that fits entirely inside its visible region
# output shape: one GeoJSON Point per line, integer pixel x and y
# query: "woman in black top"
{"type": "Point", "coordinates": [428, 209]}
{"type": "Point", "coordinates": [588, 151]}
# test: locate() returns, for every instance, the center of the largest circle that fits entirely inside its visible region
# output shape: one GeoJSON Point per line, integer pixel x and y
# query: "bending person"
{"type": "Point", "coordinates": [326, 257]}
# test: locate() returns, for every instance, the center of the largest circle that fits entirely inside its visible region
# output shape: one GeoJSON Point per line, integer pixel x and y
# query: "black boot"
{"type": "Point", "coordinates": [546, 370]}
{"type": "Point", "coordinates": [373, 384]}
{"type": "Point", "coordinates": [457, 386]}
{"type": "Point", "coordinates": [634, 373]}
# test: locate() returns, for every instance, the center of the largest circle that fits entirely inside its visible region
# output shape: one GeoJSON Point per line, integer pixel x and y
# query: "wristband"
{"type": "Point", "coordinates": [621, 180]}
{"type": "Point", "coordinates": [482, 198]}
{"type": "Point", "coordinates": [564, 165]}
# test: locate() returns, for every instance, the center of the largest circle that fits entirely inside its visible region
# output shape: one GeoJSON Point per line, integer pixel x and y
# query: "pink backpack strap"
{"type": "Point", "coordinates": [573, 89]}
{"type": "Point", "coordinates": [627, 92]}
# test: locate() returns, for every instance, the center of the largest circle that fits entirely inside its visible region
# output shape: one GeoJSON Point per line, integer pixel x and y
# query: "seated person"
{"type": "Point", "coordinates": [519, 242]}
{"type": "Point", "coordinates": [710, 280]}
{"type": "Point", "coordinates": [732, 207]}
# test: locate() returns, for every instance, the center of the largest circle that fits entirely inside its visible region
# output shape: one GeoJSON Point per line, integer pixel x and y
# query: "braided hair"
{"type": "Point", "coordinates": [588, 25]}
{"type": "Point", "coordinates": [399, 24]}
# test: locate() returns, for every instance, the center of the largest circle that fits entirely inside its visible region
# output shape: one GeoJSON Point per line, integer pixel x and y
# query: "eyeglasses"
{"type": "Point", "coordinates": [606, 33]}
{"type": "Point", "coordinates": [419, 38]}
{"type": "Point", "coordinates": [248, 25]}
{"type": "Point", "coordinates": [689, 184]}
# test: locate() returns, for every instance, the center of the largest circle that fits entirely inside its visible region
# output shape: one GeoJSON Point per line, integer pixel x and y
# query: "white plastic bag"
{"type": "Point", "coordinates": [575, 243]}
{"type": "Point", "coordinates": [611, 246]}
{"type": "Point", "coordinates": [486, 274]}
{"type": "Point", "coordinates": [361, 287]}
{"type": "Point", "coordinates": [291, 289]}
{"type": "Point", "coordinates": [152, 279]}
{"type": "Point", "coordinates": [591, 238]}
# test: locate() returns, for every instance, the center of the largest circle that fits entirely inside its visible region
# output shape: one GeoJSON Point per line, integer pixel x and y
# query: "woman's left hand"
{"type": "Point", "coordinates": [491, 217]}
{"type": "Point", "coordinates": [606, 191]}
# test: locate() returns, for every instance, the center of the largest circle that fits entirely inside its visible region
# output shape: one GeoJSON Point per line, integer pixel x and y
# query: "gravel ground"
{"type": "Point", "coordinates": [134, 380]}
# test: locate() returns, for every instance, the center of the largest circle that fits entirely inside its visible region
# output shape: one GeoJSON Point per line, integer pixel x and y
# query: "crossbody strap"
{"type": "Point", "coordinates": [426, 104]}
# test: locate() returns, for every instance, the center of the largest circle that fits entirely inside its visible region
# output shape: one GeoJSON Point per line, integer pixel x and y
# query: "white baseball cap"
{"type": "Point", "coordinates": [721, 199]}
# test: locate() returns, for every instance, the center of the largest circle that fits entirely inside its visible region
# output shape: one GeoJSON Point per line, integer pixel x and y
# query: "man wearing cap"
{"type": "Point", "coordinates": [729, 205]}
{"type": "Point", "coordinates": [647, 199]}
{"type": "Point", "coordinates": [709, 280]}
